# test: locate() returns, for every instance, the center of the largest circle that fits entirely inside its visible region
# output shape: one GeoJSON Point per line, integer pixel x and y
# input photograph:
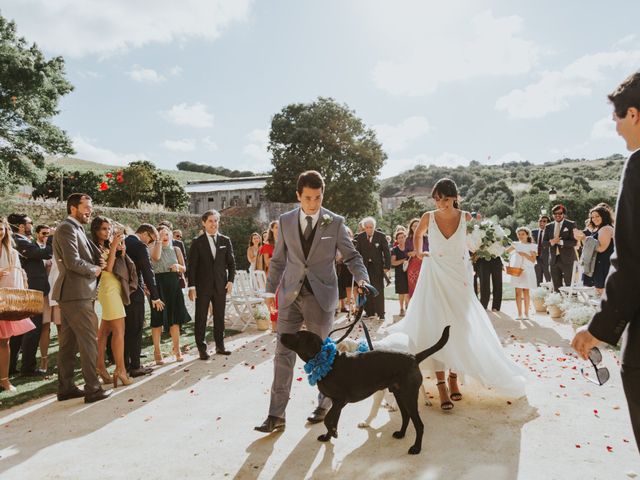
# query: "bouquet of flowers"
{"type": "Point", "coordinates": [487, 240]}
{"type": "Point", "coordinates": [579, 314]}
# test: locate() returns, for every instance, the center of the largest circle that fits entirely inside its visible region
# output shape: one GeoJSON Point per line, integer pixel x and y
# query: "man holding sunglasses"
{"type": "Point", "coordinates": [558, 238]}
{"type": "Point", "coordinates": [620, 307]}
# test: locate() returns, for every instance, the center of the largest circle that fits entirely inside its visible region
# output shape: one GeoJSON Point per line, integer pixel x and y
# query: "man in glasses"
{"type": "Point", "coordinates": [558, 238]}
{"type": "Point", "coordinates": [620, 306]}
{"type": "Point", "coordinates": [137, 247]}
{"type": "Point", "coordinates": [542, 260]}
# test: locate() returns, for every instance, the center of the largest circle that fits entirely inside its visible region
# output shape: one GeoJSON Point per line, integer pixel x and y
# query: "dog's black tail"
{"type": "Point", "coordinates": [431, 350]}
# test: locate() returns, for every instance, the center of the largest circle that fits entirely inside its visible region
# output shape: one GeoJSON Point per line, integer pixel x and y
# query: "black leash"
{"type": "Point", "coordinates": [360, 301]}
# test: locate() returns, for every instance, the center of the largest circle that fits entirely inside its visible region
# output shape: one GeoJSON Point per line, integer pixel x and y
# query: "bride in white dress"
{"type": "Point", "coordinates": [444, 296]}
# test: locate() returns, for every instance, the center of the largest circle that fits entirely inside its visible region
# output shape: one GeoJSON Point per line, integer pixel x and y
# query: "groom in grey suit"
{"type": "Point", "coordinates": [303, 266]}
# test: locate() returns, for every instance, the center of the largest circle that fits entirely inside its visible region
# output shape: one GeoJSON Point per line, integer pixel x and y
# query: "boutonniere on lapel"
{"type": "Point", "coordinates": [326, 220]}
{"type": "Point", "coordinates": [377, 245]}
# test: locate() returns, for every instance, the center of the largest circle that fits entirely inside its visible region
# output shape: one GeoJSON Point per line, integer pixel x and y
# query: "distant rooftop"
{"type": "Point", "coordinates": [225, 185]}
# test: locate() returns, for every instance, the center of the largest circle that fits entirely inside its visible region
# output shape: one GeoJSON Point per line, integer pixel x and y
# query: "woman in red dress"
{"type": "Point", "coordinates": [266, 251]}
{"type": "Point", "coordinates": [415, 263]}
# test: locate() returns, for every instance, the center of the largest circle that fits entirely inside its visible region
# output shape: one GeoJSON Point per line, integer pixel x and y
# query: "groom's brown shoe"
{"type": "Point", "coordinates": [271, 424]}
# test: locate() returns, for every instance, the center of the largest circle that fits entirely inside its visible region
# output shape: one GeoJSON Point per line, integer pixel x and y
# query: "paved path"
{"type": "Point", "coordinates": [196, 420]}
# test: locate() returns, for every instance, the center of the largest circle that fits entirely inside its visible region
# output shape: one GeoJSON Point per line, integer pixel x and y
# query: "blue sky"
{"type": "Point", "coordinates": [198, 80]}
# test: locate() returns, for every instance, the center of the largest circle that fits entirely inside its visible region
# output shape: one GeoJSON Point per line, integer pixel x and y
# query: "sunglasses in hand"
{"type": "Point", "coordinates": [602, 373]}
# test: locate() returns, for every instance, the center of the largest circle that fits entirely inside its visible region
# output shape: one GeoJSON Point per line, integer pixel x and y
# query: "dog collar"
{"type": "Point", "coordinates": [363, 346]}
{"type": "Point", "coordinates": [319, 366]}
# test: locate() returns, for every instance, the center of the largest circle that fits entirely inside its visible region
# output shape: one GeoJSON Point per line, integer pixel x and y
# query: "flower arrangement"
{"type": "Point", "coordinates": [579, 314]}
{"type": "Point", "coordinates": [553, 299]}
{"type": "Point", "coordinates": [262, 317]}
{"type": "Point", "coordinates": [487, 239]}
{"type": "Point", "coordinates": [540, 292]}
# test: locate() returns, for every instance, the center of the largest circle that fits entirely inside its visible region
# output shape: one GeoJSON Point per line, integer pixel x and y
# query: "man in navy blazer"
{"type": "Point", "coordinates": [558, 238]}
{"type": "Point", "coordinates": [619, 313]}
{"type": "Point", "coordinates": [542, 260]}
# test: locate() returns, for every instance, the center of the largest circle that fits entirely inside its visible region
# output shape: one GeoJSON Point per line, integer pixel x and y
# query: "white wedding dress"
{"type": "Point", "coordinates": [444, 296]}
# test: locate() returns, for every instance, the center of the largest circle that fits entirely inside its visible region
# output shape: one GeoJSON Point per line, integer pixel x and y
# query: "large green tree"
{"type": "Point", "coordinates": [86, 182]}
{"type": "Point", "coordinates": [328, 137]}
{"type": "Point", "coordinates": [30, 89]}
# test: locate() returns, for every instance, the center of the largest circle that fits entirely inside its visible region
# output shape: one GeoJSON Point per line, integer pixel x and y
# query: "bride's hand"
{"type": "Point", "coordinates": [421, 255]}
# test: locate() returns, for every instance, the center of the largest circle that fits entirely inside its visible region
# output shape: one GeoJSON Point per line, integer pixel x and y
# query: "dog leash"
{"type": "Point", "coordinates": [360, 302]}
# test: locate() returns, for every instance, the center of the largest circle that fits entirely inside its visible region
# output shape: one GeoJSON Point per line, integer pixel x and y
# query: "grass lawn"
{"type": "Point", "coordinates": [32, 388]}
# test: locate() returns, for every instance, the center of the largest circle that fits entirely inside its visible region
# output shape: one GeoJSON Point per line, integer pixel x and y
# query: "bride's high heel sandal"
{"type": "Point", "coordinates": [104, 375]}
{"type": "Point", "coordinates": [122, 377]}
{"type": "Point", "coordinates": [455, 396]}
{"type": "Point", "coordinates": [446, 405]}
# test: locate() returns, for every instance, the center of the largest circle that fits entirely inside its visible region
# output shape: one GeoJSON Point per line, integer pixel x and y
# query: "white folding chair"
{"type": "Point", "coordinates": [583, 294]}
{"type": "Point", "coordinates": [243, 300]}
{"type": "Point", "coordinates": [259, 282]}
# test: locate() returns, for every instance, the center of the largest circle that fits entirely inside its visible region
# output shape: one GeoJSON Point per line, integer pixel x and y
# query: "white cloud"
{"type": "Point", "coordinates": [256, 149]}
{"type": "Point", "coordinates": [86, 150]}
{"type": "Point", "coordinates": [175, 71]}
{"type": "Point", "coordinates": [145, 75]}
{"type": "Point", "coordinates": [79, 27]}
{"type": "Point", "coordinates": [604, 128]}
{"type": "Point", "coordinates": [508, 157]}
{"type": "Point", "coordinates": [89, 74]}
{"type": "Point", "coordinates": [184, 145]}
{"type": "Point", "coordinates": [626, 39]}
{"type": "Point", "coordinates": [553, 91]}
{"type": "Point", "coordinates": [396, 138]}
{"type": "Point", "coordinates": [195, 115]}
{"type": "Point", "coordinates": [439, 50]}
{"type": "Point", "coordinates": [209, 144]}
{"type": "Point", "coordinates": [394, 166]}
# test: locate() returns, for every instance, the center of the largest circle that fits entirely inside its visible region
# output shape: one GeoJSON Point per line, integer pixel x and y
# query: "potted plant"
{"type": "Point", "coordinates": [539, 295]}
{"type": "Point", "coordinates": [261, 316]}
{"type": "Point", "coordinates": [553, 302]}
{"type": "Point", "coordinates": [579, 314]}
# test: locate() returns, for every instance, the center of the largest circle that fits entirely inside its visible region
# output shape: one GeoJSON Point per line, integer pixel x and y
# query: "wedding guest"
{"type": "Point", "coordinates": [345, 282]}
{"type": "Point", "coordinates": [42, 235]}
{"type": "Point", "coordinates": [11, 276]}
{"type": "Point", "coordinates": [51, 314]}
{"type": "Point", "coordinates": [138, 248]}
{"type": "Point", "coordinates": [542, 259]}
{"type": "Point", "coordinates": [80, 266]}
{"type": "Point", "coordinates": [266, 251]}
{"type": "Point", "coordinates": [618, 313]}
{"type": "Point", "coordinates": [177, 242]}
{"type": "Point", "coordinates": [112, 297]}
{"type": "Point", "coordinates": [265, 236]}
{"type": "Point", "coordinates": [490, 278]}
{"type": "Point", "coordinates": [168, 271]}
{"type": "Point", "coordinates": [523, 255]}
{"type": "Point", "coordinates": [212, 268]}
{"type": "Point", "coordinates": [399, 260]}
{"type": "Point", "coordinates": [558, 236]}
{"type": "Point", "coordinates": [32, 259]}
{"type": "Point", "coordinates": [603, 234]}
{"type": "Point", "coordinates": [415, 262]}
{"type": "Point", "coordinates": [255, 243]}
{"type": "Point", "coordinates": [374, 249]}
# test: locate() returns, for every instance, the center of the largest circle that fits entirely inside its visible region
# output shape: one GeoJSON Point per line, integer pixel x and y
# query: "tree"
{"type": "Point", "coordinates": [30, 88]}
{"type": "Point", "coordinates": [85, 182]}
{"type": "Point", "coordinates": [327, 137]}
{"type": "Point", "coordinates": [408, 209]}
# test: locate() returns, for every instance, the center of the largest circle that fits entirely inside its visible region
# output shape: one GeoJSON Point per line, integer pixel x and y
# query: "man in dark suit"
{"type": "Point", "coordinates": [374, 249]}
{"type": "Point", "coordinates": [558, 237]}
{"type": "Point", "coordinates": [32, 259]}
{"type": "Point", "coordinates": [212, 268]}
{"type": "Point", "coordinates": [80, 265]}
{"type": "Point", "coordinates": [138, 251]}
{"type": "Point", "coordinates": [620, 307]}
{"type": "Point", "coordinates": [542, 260]}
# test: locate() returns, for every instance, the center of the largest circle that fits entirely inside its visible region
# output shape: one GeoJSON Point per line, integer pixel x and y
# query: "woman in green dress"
{"type": "Point", "coordinates": [168, 269]}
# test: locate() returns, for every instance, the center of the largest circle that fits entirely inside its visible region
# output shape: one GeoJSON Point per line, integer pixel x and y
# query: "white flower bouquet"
{"type": "Point", "coordinates": [487, 239]}
{"type": "Point", "coordinates": [579, 314]}
{"type": "Point", "coordinates": [553, 299]}
{"type": "Point", "coordinates": [540, 292]}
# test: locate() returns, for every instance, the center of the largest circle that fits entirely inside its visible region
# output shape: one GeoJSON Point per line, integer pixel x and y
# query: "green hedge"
{"type": "Point", "coordinates": [49, 212]}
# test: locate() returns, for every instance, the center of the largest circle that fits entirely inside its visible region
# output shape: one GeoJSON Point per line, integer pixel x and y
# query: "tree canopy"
{"type": "Point", "coordinates": [328, 137]}
{"type": "Point", "coordinates": [30, 88]}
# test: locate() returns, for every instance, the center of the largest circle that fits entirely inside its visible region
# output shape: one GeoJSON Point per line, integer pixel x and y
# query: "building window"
{"type": "Point", "coordinates": [235, 201]}
{"type": "Point", "coordinates": [249, 201]}
{"type": "Point", "coordinates": [224, 203]}
{"type": "Point", "coordinates": [210, 200]}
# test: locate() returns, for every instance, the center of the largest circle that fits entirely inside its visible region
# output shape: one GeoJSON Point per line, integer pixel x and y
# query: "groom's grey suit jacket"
{"type": "Point", "coordinates": [289, 267]}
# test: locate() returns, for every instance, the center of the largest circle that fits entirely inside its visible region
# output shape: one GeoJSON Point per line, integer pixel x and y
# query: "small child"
{"type": "Point", "coordinates": [524, 253]}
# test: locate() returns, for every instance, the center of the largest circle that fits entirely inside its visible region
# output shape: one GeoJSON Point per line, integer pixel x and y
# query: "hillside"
{"type": "Point", "coordinates": [76, 164]}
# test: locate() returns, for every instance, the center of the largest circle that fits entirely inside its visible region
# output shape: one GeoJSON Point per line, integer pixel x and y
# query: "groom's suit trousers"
{"type": "Point", "coordinates": [306, 310]}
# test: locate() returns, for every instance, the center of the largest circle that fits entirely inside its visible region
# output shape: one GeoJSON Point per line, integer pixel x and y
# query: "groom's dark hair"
{"type": "Point", "coordinates": [626, 95]}
{"type": "Point", "coordinates": [310, 179]}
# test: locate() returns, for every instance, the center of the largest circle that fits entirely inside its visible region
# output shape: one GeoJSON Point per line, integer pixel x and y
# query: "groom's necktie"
{"type": "Point", "coordinates": [308, 228]}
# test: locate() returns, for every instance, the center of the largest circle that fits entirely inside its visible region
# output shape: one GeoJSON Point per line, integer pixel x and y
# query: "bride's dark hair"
{"type": "Point", "coordinates": [445, 187]}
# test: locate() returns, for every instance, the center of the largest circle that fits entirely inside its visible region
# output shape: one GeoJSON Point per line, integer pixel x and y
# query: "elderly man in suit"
{"type": "Point", "coordinates": [620, 307]}
{"type": "Point", "coordinates": [542, 260]}
{"type": "Point", "coordinates": [558, 238]}
{"type": "Point", "coordinates": [80, 265]}
{"type": "Point", "coordinates": [303, 266]}
{"type": "Point", "coordinates": [212, 269]}
{"type": "Point", "coordinates": [374, 248]}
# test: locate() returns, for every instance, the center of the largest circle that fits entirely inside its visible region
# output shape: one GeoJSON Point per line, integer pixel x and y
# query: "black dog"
{"type": "Point", "coordinates": [354, 377]}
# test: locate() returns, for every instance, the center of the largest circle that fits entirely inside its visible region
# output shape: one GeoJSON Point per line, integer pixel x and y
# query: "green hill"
{"type": "Point", "coordinates": [76, 164]}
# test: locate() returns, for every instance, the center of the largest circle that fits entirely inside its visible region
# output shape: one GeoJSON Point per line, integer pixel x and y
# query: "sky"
{"type": "Point", "coordinates": [440, 82]}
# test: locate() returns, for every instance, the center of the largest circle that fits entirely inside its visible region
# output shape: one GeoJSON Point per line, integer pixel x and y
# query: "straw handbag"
{"type": "Point", "coordinates": [514, 271]}
{"type": "Point", "coordinates": [20, 303]}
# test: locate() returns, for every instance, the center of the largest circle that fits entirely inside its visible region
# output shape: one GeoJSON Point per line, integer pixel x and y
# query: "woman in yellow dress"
{"type": "Point", "coordinates": [111, 245]}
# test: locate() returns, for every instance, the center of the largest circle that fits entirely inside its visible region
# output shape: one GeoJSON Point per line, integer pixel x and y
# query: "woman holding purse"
{"type": "Point", "coordinates": [522, 273]}
{"type": "Point", "coordinates": [11, 276]}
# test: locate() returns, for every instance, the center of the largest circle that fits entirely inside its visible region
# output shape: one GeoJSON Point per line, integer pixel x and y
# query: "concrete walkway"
{"type": "Point", "coordinates": [196, 420]}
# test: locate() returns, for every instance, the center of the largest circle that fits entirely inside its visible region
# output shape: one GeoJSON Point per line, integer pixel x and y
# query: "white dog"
{"type": "Point", "coordinates": [398, 342]}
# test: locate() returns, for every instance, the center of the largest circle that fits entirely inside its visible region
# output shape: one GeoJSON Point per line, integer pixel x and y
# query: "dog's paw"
{"type": "Point", "coordinates": [324, 438]}
{"type": "Point", "coordinates": [414, 450]}
{"type": "Point", "coordinates": [363, 425]}
{"type": "Point", "coordinates": [398, 434]}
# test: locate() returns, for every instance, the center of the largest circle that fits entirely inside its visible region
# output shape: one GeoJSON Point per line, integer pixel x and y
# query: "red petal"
{"type": "Point", "coordinates": [609, 449]}
{"type": "Point", "coordinates": [578, 445]}
{"type": "Point", "coordinates": [595, 411]}
{"type": "Point", "coordinates": [299, 379]}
